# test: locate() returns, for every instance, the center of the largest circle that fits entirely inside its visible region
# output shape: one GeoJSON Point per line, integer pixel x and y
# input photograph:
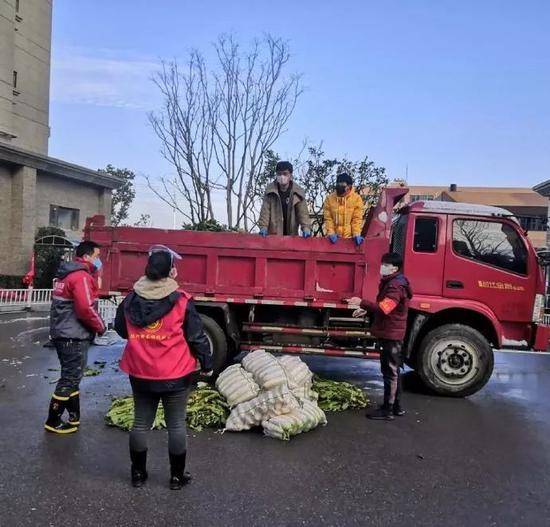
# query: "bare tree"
{"type": "Point", "coordinates": [216, 126]}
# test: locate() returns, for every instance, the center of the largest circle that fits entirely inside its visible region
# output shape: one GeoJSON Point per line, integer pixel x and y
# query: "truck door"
{"type": "Point", "coordinates": [487, 261]}
{"type": "Point", "coordinates": [425, 253]}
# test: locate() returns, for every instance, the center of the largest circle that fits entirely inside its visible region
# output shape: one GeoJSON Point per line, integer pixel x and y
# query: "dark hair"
{"type": "Point", "coordinates": [393, 259]}
{"type": "Point", "coordinates": [158, 265]}
{"type": "Point", "coordinates": [344, 177]}
{"type": "Point", "coordinates": [284, 165]}
{"type": "Point", "coordinates": [86, 248]}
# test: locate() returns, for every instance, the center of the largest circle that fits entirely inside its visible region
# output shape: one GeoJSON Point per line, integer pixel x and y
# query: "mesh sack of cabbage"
{"type": "Point", "coordinates": [297, 371]}
{"type": "Point", "coordinates": [237, 385]}
{"type": "Point", "coordinates": [268, 404]}
{"type": "Point", "coordinates": [303, 419]}
{"type": "Point", "coordinates": [267, 371]}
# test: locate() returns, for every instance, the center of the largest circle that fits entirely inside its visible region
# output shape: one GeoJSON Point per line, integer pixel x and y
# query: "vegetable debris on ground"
{"type": "Point", "coordinates": [205, 408]}
{"type": "Point", "coordinates": [337, 396]}
{"type": "Point", "coordinates": [91, 372]}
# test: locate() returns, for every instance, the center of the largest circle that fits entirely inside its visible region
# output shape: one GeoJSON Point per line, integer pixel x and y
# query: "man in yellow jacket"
{"type": "Point", "coordinates": [343, 211]}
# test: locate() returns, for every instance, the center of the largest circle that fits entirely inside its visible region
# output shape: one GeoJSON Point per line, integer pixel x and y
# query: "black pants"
{"type": "Point", "coordinates": [175, 411]}
{"type": "Point", "coordinates": [73, 357]}
{"type": "Point", "coordinates": [391, 360]}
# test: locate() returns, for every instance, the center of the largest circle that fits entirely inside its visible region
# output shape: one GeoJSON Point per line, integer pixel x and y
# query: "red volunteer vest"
{"type": "Point", "coordinates": [159, 351]}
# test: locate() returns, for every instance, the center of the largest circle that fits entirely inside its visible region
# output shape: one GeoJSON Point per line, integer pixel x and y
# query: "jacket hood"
{"type": "Point", "coordinates": [155, 289]}
{"type": "Point", "coordinates": [400, 280]}
{"type": "Point", "coordinates": [151, 300]}
{"type": "Point", "coordinates": [141, 312]}
{"type": "Point", "coordinates": [66, 268]}
{"type": "Point", "coordinates": [273, 188]}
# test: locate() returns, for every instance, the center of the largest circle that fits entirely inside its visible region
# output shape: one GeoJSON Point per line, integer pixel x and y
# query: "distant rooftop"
{"type": "Point", "coordinates": [450, 207]}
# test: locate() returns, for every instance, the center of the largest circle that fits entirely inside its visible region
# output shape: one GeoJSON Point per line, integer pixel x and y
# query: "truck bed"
{"type": "Point", "coordinates": [241, 267]}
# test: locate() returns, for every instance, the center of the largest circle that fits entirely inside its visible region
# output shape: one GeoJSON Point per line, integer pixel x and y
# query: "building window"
{"type": "Point", "coordinates": [493, 243]}
{"type": "Point", "coordinates": [533, 223]}
{"type": "Point", "coordinates": [421, 197]}
{"type": "Point", "coordinates": [64, 218]}
{"type": "Point", "coordinates": [425, 235]}
{"type": "Point", "coordinates": [14, 79]}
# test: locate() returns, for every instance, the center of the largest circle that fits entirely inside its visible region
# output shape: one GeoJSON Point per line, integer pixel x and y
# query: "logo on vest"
{"type": "Point", "coordinates": [154, 327]}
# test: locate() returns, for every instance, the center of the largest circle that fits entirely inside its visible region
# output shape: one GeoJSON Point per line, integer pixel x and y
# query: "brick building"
{"type": "Point", "coordinates": [35, 189]}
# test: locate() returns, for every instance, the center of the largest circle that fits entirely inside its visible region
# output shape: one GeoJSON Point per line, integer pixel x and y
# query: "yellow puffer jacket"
{"type": "Point", "coordinates": [344, 215]}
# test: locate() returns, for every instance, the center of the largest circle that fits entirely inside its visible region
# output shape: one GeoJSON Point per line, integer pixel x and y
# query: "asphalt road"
{"type": "Point", "coordinates": [479, 461]}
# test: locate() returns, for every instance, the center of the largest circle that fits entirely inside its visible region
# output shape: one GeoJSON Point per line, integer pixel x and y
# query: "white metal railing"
{"type": "Point", "coordinates": [24, 297]}
{"type": "Point", "coordinates": [27, 298]}
{"type": "Point", "coordinates": [107, 310]}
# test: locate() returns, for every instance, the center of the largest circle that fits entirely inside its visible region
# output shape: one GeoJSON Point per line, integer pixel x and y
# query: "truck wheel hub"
{"type": "Point", "coordinates": [454, 362]}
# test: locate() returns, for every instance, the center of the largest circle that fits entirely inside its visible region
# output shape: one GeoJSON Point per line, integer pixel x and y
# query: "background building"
{"type": "Point", "coordinates": [36, 190]}
{"type": "Point", "coordinates": [528, 206]}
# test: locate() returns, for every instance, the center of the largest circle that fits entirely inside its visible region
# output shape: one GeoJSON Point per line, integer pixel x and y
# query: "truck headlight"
{"type": "Point", "coordinates": [538, 309]}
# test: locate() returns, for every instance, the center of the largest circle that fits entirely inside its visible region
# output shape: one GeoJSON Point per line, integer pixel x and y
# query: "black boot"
{"type": "Point", "coordinates": [382, 413]}
{"type": "Point", "coordinates": [73, 407]}
{"type": "Point", "coordinates": [398, 409]}
{"type": "Point", "coordinates": [178, 476]}
{"type": "Point", "coordinates": [54, 423]}
{"type": "Point", "coordinates": [139, 467]}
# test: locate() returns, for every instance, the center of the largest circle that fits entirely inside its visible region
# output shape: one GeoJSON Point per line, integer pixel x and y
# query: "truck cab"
{"type": "Point", "coordinates": [478, 285]}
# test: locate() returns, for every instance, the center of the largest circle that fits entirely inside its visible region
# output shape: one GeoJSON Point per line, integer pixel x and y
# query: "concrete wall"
{"type": "Point", "coordinates": [88, 200]}
{"type": "Point", "coordinates": [25, 199]}
{"type": "Point", "coordinates": [7, 45]}
{"type": "Point", "coordinates": [25, 47]}
{"type": "Point", "coordinates": [5, 222]}
{"type": "Point", "coordinates": [23, 212]}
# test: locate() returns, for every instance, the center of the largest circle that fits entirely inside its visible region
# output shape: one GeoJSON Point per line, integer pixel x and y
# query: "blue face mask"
{"type": "Point", "coordinates": [97, 264]}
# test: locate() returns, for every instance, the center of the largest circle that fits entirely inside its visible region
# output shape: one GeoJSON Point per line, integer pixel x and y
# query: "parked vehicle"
{"type": "Point", "coordinates": [477, 282]}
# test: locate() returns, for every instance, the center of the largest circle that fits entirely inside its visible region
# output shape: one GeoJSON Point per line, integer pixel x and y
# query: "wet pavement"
{"type": "Point", "coordinates": [479, 461]}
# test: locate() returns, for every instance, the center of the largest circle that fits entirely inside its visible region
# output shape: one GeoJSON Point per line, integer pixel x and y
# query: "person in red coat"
{"type": "Point", "coordinates": [166, 348]}
{"type": "Point", "coordinates": [74, 322]}
{"type": "Point", "coordinates": [390, 312]}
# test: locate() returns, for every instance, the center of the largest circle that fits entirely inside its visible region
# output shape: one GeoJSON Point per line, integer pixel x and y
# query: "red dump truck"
{"type": "Point", "coordinates": [477, 282]}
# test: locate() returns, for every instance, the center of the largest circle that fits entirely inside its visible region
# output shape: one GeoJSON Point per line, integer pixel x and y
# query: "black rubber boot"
{"type": "Point", "coordinates": [382, 413]}
{"type": "Point", "coordinates": [139, 467]}
{"type": "Point", "coordinates": [178, 476]}
{"type": "Point", "coordinates": [73, 407]}
{"type": "Point", "coordinates": [398, 409]}
{"type": "Point", "coordinates": [54, 423]}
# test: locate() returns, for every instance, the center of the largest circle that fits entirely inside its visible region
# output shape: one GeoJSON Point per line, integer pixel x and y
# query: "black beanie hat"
{"type": "Point", "coordinates": [158, 265]}
{"type": "Point", "coordinates": [344, 178]}
{"type": "Point", "coordinates": [284, 165]}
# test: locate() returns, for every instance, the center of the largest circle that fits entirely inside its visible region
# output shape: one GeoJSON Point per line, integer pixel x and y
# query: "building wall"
{"type": "Point", "coordinates": [5, 223]}
{"type": "Point", "coordinates": [25, 47]}
{"type": "Point", "coordinates": [25, 199]}
{"type": "Point", "coordinates": [62, 192]}
{"type": "Point", "coordinates": [7, 45]}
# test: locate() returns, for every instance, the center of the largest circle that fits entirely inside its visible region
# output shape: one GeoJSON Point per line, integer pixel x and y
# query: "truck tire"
{"type": "Point", "coordinates": [218, 343]}
{"type": "Point", "coordinates": [455, 360]}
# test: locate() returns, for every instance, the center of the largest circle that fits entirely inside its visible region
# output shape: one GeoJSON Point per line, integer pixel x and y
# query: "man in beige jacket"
{"type": "Point", "coordinates": [284, 208]}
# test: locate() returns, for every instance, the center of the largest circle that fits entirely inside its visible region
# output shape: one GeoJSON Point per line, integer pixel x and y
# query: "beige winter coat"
{"type": "Point", "coordinates": [271, 214]}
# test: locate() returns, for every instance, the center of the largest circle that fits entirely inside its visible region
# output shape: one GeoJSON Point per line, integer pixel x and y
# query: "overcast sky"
{"type": "Point", "coordinates": [458, 91]}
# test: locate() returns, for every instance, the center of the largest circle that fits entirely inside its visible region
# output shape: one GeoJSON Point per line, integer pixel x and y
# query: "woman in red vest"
{"type": "Point", "coordinates": [166, 347]}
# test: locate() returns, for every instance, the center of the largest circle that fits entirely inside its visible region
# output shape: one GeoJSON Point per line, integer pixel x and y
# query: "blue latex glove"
{"type": "Point", "coordinates": [263, 232]}
{"type": "Point", "coordinates": [306, 234]}
{"type": "Point", "coordinates": [333, 238]}
{"type": "Point", "coordinates": [358, 240]}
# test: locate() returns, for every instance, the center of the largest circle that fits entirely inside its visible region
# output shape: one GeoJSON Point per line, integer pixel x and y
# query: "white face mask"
{"type": "Point", "coordinates": [283, 180]}
{"type": "Point", "coordinates": [387, 269]}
